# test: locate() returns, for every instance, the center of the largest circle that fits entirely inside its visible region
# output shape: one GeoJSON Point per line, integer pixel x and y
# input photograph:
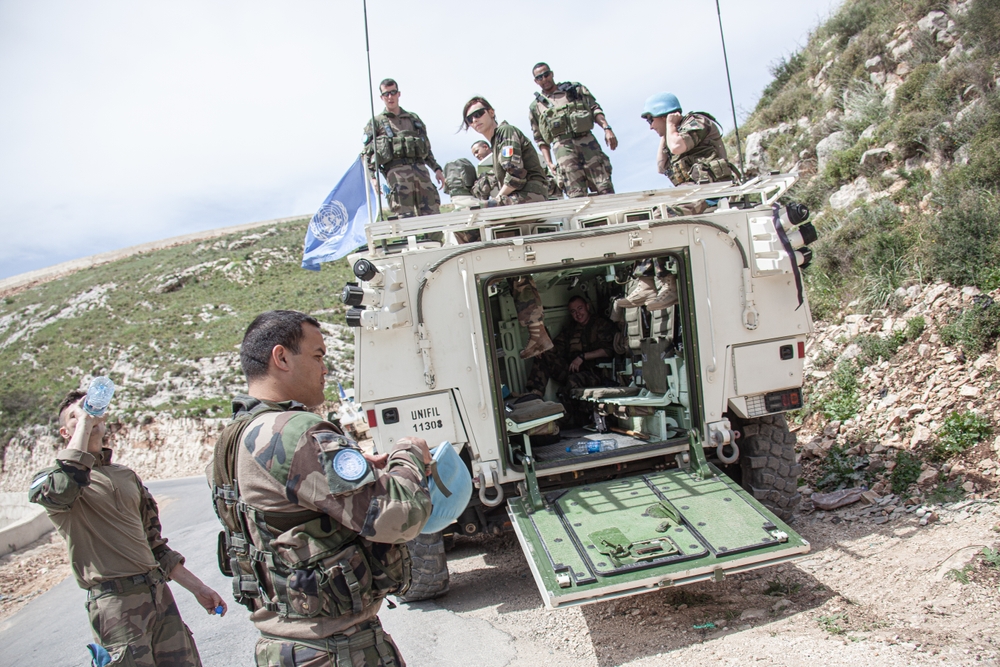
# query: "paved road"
{"type": "Point", "coordinates": [52, 630]}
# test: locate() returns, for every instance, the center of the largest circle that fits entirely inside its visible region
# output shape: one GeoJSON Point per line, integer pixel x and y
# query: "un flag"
{"type": "Point", "coordinates": [338, 227]}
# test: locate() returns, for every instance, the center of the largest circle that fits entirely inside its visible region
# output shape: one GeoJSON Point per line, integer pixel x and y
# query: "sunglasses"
{"type": "Point", "coordinates": [539, 77]}
{"type": "Point", "coordinates": [475, 115]}
{"type": "Point", "coordinates": [649, 119]}
{"type": "Point", "coordinates": [390, 93]}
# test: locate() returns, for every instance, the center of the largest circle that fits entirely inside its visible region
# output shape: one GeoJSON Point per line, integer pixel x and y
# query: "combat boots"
{"type": "Point", "coordinates": [538, 340]}
{"type": "Point", "coordinates": [647, 293]}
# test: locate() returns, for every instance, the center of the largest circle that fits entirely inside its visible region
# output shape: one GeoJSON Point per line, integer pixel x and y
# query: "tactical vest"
{"type": "Point", "coordinates": [314, 565]}
{"type": "Point", "coordinates": [567, 121]}
{"type": "Point", "coordinates": [405, 147]}
{"type": "Point", "coordinates": [459, 177]}
{"type": "Point", "coordinates": [706, 162]}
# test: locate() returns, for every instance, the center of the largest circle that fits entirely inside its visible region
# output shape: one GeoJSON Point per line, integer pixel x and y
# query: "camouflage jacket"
{"type": "Point", "coordinates": [287, 463]}
{"type": "Point", "coordinates": [575, 339]}
{"type": "Point", "coordinates": [515, 161]}
{"type": "Point", "coordinates": [390, 139]}
{"type": "Point", "coordinates": [559, 97]}
{"type": "Point", "coordinates": [106, 515]}
{"type": "Point", "coordinates": [706, 161]}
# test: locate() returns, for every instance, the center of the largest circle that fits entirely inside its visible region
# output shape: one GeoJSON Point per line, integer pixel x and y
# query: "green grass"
{"type": "Point", "coordinates": [832, 623]}
{"type": "Point", "coordinates": [841, 402]}
{"type": "Point", "coordinates": [905, 472]}
{"type": "Point", "coordinates": [960, 431]}
{"type": "Point", "coordinates": [154, 335]}
{"type": "Point", "coordinates": [840, 470]}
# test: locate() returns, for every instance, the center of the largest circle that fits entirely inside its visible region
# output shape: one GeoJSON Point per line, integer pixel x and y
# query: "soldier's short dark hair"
{"type": "Point", "coordinates": [70, 398]}
{"type": "Point", "coordinates": [386, 83]}
{"type": "Point", "coordinates": [537, 65]}
{"type": "Point", "coordinates": [275, 327]}
{"type": "Point", "coordinates": [479, 141]}
{"type": "Point", "coordinates": [465, 110]}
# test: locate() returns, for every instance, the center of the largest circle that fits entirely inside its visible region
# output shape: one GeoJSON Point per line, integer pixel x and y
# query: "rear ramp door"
{"type": "Point", "coordinates": [637, 534]}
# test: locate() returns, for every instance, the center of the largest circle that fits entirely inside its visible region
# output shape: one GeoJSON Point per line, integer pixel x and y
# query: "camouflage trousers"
{"type": "Point", "coordinates": [550, 365]}
{"type": "Point", "coordinates": [520, 197]}
{"type": "Point", "coordinates": [582, 166]}
{"type": "Point", "coordinates": [485, 186]}
{"type": "Point", "coordinates": [527, 301]}
{"type": "Point", "coordinates": [411, 192]}
{"type": "Point", "coordinates": [139, 624]}
{"type": "Point", "coordinates": [369, 646]}
{"type": "Point", "coordinates": [651, 266]}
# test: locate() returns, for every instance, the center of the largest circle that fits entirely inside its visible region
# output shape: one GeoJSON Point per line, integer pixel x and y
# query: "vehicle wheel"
{"type": "Point", "coordinates": [429, 573]}
{"type": "Point", "coordinates": [768, 469]}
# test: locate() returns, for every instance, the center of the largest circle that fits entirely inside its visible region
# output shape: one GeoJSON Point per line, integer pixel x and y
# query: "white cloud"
{"type": "Point", "coordinates": [127, 122]}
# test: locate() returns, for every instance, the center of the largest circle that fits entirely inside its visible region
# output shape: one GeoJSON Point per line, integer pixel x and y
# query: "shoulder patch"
{"type": "Point", "coordinates": [350, 464]}
{"type": "Point", "coordinates": [507, 152]}
{"type": "Point", "coordinates": [346, 469]}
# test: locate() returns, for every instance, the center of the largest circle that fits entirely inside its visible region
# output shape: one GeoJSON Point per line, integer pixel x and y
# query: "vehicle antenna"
{"type": "Point", "coordinates": [732, 103]}
{"type": "Point", "coordinates": [371, 100]}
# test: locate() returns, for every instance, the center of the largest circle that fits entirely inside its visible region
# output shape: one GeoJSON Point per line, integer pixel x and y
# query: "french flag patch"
{"type": "Point", "coordinates": [507, 152]}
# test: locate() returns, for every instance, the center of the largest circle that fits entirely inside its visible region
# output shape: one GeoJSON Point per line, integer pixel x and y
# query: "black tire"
{"type": "Point", "coordinates": [429, 574]}
{"type": "Point", "coordinates": [768, 469]}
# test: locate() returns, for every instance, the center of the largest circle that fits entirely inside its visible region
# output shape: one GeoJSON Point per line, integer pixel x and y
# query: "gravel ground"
{"type": "Point", "coordinates": [868, 594]}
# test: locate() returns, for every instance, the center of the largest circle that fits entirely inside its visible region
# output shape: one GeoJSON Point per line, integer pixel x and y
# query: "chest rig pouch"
{"type": "Point", "coordinates": [570, 120]}
{"type": "Point", "coordinates": [703, 163]}
{"type": "Point", "coordinates": [314, 565]}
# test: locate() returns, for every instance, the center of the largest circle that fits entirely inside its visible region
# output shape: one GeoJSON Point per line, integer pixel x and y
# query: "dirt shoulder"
{"type": "Point", "coordinates": [867, 594]}
{"type": "Point", "coordinates": [29, 572]}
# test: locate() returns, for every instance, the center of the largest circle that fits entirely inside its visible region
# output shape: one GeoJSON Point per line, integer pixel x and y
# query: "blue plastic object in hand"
{"type": "Point", "coordinates": [219, 610]}
{"type": "Point", "coordinates": [99, 396]}
{"type": "Point", "coordinates": [99, 656]}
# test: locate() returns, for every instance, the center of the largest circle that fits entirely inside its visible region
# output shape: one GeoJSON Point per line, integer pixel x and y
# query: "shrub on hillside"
{"type": "Point", "coordinates": [964, 236]}
{"type": "Point", "coordinates": [975, 329]}
{"type": "Point", "coordinates": [960, 431]}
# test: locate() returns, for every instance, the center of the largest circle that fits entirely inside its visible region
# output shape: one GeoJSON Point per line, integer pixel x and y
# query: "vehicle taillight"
{"type": "Point", "coordinates": [802, 349]}
{"type": "Point", "coordinates": [371, 419]}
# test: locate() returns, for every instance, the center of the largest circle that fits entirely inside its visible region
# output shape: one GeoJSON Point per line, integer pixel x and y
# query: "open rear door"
{"type": "Point", "coordinates": [637, 534]}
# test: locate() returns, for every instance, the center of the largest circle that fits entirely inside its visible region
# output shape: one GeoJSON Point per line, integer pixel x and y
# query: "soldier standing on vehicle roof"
{"type": "Point", "coordinates": [314, 527]}
{"type": "Point", "coordinates": [112, 530]}
{"type": "Point", "coordinates": [562, 117]}
{"type": "Point", "coordinates": [403, 152]}
{"type": "Point", "coordinates": [519, 171]}
{"type": "Point", "coordinates": [691, 146]}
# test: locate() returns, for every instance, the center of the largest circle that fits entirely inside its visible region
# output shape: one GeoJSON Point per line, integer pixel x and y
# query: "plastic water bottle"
{"type": "Point", "coordinates": [348, 411]}
{"type": "Point", "coordinates": [592, 446]}
{"type": "Point", "coordinates": [99, 396]}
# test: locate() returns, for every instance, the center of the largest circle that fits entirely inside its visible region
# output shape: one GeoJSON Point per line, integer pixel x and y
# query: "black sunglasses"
{"type": "Point", "coordinates": [389, 93]}
{"type": "Point", "coordinates": [539, 77]}
{"type": "Point", "coordinates": [478, 113]}
{"type": "Point", "coordinates": [649, 119]}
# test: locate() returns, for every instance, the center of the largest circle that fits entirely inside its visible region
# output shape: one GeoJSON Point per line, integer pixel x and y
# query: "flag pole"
{"type": "Point", "coordinates": [732, 103]}
{"type": "Point", "coordinates": [371, 100]}
{"type": "Point", "coordinates": [368, 200]}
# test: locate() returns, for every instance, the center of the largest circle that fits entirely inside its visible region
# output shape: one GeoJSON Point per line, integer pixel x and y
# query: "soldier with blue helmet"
{"type": "Point", "coordinates": [691, 147]}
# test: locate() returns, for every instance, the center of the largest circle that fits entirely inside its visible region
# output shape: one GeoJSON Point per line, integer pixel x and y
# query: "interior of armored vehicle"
{"type": "Point", "coordinates": [600, 379]}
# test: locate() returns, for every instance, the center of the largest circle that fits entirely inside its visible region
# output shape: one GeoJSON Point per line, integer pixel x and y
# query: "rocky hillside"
{"type": "Point", "coordinates": [890, 116]}
{"type": "Point", "coordinates": [166, 327]}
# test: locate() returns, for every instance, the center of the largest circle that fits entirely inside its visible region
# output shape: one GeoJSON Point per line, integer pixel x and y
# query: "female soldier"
{"type": "Point", "coordinates": [518, 170]}
{"type": "Point", "coordinates": [522, 180]}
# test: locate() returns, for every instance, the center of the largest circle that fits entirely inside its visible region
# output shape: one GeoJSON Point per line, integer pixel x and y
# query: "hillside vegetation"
{"type": "Point", "coordinates": [165, 326]}
{"type": "Point", "coordinates": [890, 115]}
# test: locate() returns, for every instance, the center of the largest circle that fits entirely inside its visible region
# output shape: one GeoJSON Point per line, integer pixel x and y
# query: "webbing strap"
{"type": "Point", "coordinates": [437, 480]}
{"type": "Point", "coordinates": [388, 659]}
{"type": "Point", "coordinates": [343, 650]}
{"type": "Point", "coordinates": [787, 245]}
{"type": "Point", "coordinates": [353, 585]}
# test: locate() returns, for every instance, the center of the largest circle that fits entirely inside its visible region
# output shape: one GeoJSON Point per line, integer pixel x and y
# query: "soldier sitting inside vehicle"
{"type": "Point", "coordinates": [572, 361]}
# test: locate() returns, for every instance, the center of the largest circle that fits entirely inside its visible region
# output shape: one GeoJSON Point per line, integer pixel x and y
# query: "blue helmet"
{"type": "Point", "coordinates": [661, 104]}
{"type": "Point", "coordinates": [450, 487]}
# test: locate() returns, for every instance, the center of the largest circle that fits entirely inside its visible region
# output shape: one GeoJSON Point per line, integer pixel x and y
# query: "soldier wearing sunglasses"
{"type": "Point", "coordinates": [562, 117]}
{"type": "Point", "coordinates": [404, 152]}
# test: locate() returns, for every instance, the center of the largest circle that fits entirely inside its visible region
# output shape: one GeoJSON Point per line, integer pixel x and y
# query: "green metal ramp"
{"type": "Point", "coordinates": [637, 534]}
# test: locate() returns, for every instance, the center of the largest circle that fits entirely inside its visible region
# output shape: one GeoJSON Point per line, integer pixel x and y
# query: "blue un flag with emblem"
{"type": "Point", "coordinates": [338, 227]}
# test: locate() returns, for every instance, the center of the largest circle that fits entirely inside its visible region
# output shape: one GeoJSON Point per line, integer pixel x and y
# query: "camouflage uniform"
{"type": "Point", "coordinates": [707, 162]}
{"type": "Point", "coordinates": [581, 162]}
{"type": "Point", "coordinates": [486, 185]}
{"type": "Point", "coordinates": [404, 152]}
{"type": "Point", "coordinates": [516, 164]}
{"type": "Point", "coordinates": [112, 529]}
{"type": "Point", "coordinates": [286, 463]}
{"type": "Point", "coordinates": [573, 341]}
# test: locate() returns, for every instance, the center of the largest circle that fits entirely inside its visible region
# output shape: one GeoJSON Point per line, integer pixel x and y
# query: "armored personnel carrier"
{"type": "Point", "coordinates": [701, 476]}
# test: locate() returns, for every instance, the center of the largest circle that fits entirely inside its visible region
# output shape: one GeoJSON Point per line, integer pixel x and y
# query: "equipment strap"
{"type": "Point", "coordinates": [437, 480]}
{"type": "Point", "coordinates": [787, 245]}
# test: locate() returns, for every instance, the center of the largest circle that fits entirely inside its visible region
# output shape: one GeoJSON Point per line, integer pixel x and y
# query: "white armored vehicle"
{"type": "Point", "coordinates": [700, 475]}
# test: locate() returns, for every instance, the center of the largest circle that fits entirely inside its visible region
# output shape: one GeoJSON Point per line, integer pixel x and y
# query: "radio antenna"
{"type": "Point", "coordinates": [732, 102]}
{"type": "Point", "coordinates": [371, 100]}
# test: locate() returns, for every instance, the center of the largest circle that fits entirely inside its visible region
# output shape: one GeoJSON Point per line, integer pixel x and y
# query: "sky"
{"type": "Point", "coordinates": [125, 122]}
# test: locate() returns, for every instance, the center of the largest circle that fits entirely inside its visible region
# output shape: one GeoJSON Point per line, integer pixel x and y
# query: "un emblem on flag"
{"type": "Point", "coordinates": [330, 222]}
